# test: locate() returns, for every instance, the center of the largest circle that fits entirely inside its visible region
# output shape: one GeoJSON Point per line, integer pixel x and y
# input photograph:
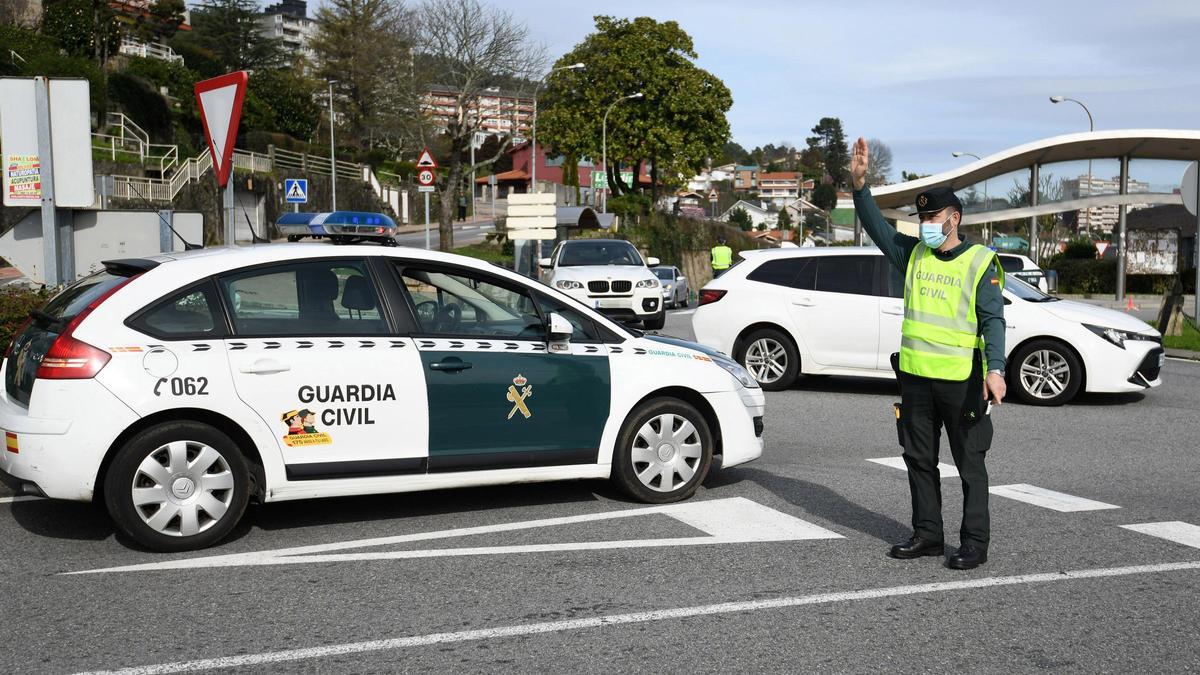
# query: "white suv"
{"type": "Point", "coordinates": [610, 276]}
{"type": "Point", "coordinates": [837, 311]}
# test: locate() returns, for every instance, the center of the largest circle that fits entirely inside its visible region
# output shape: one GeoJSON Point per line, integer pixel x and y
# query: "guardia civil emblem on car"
{"type": "Point", "coordinates": [518, 391]}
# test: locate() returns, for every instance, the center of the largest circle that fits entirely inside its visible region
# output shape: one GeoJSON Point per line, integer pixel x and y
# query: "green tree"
{"type": "Point", "coordinates": [289, 102]}
{"type": "Point", "coordinates": [225, 38]}
{"type": "Point", "coordinates": [824, 196]}
{"type": "Point", "coordinates": [911, 175]}
{"type": "Point", "coordinates": [161, 22]}
{"type": "Point", "coordinates": [675, 128]}
{"type": "Point", "coordinates": [739, 217]}
{"type": "Point", "coordinates": [830, 140]}
{"type": "Point", "coordinates": [732, 153]}
{"type": "Point", "coordinates": [785, 220]}
{"type": "Point", "coordinates": [85, 28]}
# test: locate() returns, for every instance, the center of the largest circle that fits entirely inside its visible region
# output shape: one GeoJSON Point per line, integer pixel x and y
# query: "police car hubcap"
{"type": "Point", "coordinates": [1045, 374]}
{"type": "Point", "coordinates": [666, 452]}
{"type": "Point", "coordinates": [766, 360]}
{"type": "Point", "coordinates": [182, 488]}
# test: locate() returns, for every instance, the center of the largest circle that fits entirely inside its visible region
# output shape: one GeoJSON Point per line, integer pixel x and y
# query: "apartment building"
{"type": "Point", "coordinates": [288, 22]}
{"type": "Point", "coordinates": [499, 111]}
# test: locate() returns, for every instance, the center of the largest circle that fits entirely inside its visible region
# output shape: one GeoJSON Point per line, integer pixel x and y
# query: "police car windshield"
{"type": "Point", "coordinates": [1026, 291]}
{"type": "Point", "coordinates": [581, 253]}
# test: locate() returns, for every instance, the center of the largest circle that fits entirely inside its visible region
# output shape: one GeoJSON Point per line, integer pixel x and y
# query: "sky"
{"type": "Point", "coordinates": [926, 77]}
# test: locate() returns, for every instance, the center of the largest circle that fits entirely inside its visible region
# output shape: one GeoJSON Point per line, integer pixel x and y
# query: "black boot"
{"type": "Point", "coordinates": [968, 558]}
{"type": "Point", "coordinates": [916, 547]}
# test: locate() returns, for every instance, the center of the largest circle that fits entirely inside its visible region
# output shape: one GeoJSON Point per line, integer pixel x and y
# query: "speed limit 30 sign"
{"type": "Point", "coordinates": [425, 165]}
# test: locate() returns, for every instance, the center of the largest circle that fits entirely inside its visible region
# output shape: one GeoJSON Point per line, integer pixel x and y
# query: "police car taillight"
{"type": "Point", "coordinates": [72, 359]}
{"type": "Point", "coordinates": [711, 295]}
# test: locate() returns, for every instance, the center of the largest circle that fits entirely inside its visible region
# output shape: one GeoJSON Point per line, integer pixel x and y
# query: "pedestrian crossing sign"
{"type": "Point", "coordinates": [295, 190]}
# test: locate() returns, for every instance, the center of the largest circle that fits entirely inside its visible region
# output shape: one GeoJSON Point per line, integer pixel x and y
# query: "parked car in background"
{"type": "Point", "coordinates": [675, 290]}
{"type": "Point", "coordinates": [1023, 268]}
{"type": "Point", "coordinates": [610, 276]}
{"type": "Point", "coordinates": [838, 311]}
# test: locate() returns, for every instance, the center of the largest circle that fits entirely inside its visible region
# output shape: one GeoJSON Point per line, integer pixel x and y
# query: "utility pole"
{"type": "Point", "coordinates": [332, 155]}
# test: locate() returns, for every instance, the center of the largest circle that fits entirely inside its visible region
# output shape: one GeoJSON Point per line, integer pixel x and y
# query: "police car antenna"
{"type": "Point", "coordinates": [187, 246]}
{"type": "Point", "coordinates": [254, 238]}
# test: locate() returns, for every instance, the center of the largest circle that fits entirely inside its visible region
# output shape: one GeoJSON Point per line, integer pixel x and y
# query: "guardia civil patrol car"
{"type": "Point", "coordinates": [178, 388]}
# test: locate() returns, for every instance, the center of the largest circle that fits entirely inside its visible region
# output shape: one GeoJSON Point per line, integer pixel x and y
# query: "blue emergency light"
{"type": "Point", "coordinates": [341, 227]}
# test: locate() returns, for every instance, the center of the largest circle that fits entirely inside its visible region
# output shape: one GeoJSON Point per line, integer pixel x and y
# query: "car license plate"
{"type": "Point", "coordinates": [614, 303]}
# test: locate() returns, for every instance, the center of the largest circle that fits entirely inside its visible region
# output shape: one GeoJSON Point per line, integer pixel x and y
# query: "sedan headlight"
{"type": "Point", "coordinates": [648, 283]}
{"type": "Point", "coordinates": [667, 287]}
{"type": "Point", "coordinates": [737, 371]}
{"type": "Point", "coordinates": [1115, 335]}
{"type": "Point", "coordinates": [568, 285]}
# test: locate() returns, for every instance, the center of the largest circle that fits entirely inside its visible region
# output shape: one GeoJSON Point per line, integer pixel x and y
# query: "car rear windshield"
{"type": "Point", "coordinates": [578, 253]}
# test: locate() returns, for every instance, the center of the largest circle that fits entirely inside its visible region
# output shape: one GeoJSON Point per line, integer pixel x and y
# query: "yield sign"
{"type": "Point", "coordinates": [220, 103]}
{"type": "Point", "coordinates": [426, 160]}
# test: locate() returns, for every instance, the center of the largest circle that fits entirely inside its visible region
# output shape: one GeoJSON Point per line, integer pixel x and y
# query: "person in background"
{"type": "Point", "coordinates": [722, 258]}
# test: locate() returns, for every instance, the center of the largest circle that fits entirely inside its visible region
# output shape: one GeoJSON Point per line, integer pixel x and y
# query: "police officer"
{"type": "Point", "coordinates": [953, 324]}
{"type": "Point", "coordinates": [722, 257]}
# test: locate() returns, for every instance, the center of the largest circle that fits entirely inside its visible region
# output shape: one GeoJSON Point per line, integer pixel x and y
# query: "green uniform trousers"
{"type": "Point", "coordinates": [930, 405]}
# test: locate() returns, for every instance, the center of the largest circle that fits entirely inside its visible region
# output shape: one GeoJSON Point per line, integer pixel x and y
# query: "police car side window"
{"type": "Point", "coordinates": [1011, 263]}
{"type": "Point", "coordinates": [854, 274]}
{"type": "Point", "coordinates": [462, 303]}
{"type": "Point", "coordinates": [192, 313]}
{"type": "Point", "coordinates": [327, 297]}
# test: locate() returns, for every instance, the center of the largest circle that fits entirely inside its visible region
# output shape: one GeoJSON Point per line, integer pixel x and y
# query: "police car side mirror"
{"type": "Point", "coordinates": [653, 262]}
{"type": "Point", "coordinates": [545, 263]}
{"type": "Point", "coordinates": [560, 329]}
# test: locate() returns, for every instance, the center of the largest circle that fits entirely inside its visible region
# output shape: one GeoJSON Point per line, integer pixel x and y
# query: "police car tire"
{"type": "Point", "coordinates": [118, 485]}
{"type": "Point", "coordinates": [656, 322]}
{"type": "Point", "coordinates": [623, 470]}
{"type": "Point", "coordinates": [791, 369]}
{"type": "Point", "coordinates": [1056, 349]}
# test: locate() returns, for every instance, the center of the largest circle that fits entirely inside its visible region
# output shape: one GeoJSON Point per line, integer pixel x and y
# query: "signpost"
{"type": "Point", "coordinates": [425, 180]}
{"type": "Point", "coordinates": [713, 196]}
{"type": "Point", "coordinates": [1189, 188]}
{"type": "Point", "coordinates": [295, 192]}
{"type": "Point", "coordinates": [220, 103]}
{"type": "Point", "coordinates": [531, 217]}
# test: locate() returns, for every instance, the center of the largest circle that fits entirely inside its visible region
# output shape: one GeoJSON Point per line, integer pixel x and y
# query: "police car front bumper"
{"type": "Point", "coordinates": [740, 414]}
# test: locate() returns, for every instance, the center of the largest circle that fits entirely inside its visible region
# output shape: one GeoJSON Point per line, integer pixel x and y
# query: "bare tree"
{"type": "Point", "coordinates": [881, 162]}
{"type": "Point", "coordinates": [468, 48]}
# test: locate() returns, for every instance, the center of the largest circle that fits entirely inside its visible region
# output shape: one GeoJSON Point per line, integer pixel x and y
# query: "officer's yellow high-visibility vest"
{"type": "Point", "coordinates": [722, 257]}
{"type": "Point", "coordinates": [940, 331]}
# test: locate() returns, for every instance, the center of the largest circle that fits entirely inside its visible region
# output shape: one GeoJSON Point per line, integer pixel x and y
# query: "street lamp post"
{"type": "Point", "coordinates": [1091, 127]}
{"type": "Point", "coordinates": [533, 141]}
{"type": "Point", "coordinates": [959, 153]}
{"type": "Point", "coordinates": [604, 145]}
{"type": "Point", "coordinates": [332, 155]}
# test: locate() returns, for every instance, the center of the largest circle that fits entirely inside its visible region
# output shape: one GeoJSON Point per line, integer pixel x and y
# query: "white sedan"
{"type": "Point", "coordinates": [837, 311]}
{"type": "Point", "coordinates": [179, 387]}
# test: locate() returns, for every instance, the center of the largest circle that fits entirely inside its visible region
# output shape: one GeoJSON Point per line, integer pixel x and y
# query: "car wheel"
{"type": "Point", "coordinates": [177, 486]}
{"type": "Point", "coordinates": [663, 452]}
{"type": "Point", "coordinates": [1045, 372]}
{"type": "Point", "coordinates": [656, 322]}
{"type": "Point", "coordinates": [771, 357]}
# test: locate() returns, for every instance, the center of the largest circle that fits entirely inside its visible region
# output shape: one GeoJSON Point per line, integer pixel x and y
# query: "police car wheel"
{"type": "Point", "coordinates": [663, 452]}
{"type": "Point", "coordinates": [1045, 373]}
{"type": "Point", "coordinates": [771, 358]}
{"type": "Point", "coordinates": [177, 486]}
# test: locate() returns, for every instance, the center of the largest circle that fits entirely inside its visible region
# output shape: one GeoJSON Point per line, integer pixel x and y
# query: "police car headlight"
{"type": "Point", "coordinates": [568, 285]}
{"type": "Point", "coordinates": [737, 371]}
{"type": "Point", "coordinates": [1115, 335]}
{"type": "Point", "coordinates": [648, 283]}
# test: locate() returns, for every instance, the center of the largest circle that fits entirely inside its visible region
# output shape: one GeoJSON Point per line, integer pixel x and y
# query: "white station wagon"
{"type": "Point", "coordinates": [180, 387]}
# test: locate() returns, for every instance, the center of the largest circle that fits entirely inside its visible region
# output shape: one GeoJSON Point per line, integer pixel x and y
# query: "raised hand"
{"type": "Point", "coordinates": [859, 163]}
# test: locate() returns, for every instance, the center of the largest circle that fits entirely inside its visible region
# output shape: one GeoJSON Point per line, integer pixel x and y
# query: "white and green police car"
{"type": "Point", "coordinates": [178, 388]}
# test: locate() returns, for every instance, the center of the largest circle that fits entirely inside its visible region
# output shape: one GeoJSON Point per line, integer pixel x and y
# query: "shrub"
{"type": "Point", "coordinates": [1100, 277]}
{"type": "Point", "coordinates": [143, 104]}
{"type": "Point", "coordinates": [14, 310]}
{"type": "Point", "coordinates": [1079, 248]}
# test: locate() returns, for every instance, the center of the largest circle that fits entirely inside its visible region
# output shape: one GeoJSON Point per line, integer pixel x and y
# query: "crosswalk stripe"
{"type": "Point", "coordinates": [947, 470]}
{"type": "Point", "coordinates": [1049, 499]}
{"type": "Point", "coordinates": [1174, 530]}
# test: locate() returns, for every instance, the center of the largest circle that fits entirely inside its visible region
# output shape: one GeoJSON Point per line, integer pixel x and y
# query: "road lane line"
{"type": "Point", "coordinates": [947, 470]}
{"type": "Point", "coordinates": [1048, 499]}
{"type": "Point", "coordinates": [9, 500]}
{"type": "Point", "coordinates": [500, 632]}
{"type": "Point", "coordinates": [1175, 530]}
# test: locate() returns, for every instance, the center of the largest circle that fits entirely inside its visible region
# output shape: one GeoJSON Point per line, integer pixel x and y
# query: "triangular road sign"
{"type": "Point", "coordinates": [426, 160]}
{"type": "Point", "coordinates": [220, 103]}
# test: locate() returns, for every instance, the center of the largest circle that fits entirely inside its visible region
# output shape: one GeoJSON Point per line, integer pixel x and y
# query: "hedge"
{"type": "Point", "coordinates": [14, 310]}
{"type": "Point", "coordinates": [1100, 277]}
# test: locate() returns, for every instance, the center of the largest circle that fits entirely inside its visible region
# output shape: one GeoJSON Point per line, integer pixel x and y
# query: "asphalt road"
{"type": "Point", "coordinates": [464, 234]}
{"type": "Point", "coordinates": [1065, 590]}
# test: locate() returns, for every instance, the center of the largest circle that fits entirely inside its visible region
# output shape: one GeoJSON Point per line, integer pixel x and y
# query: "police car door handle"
{"type": "Point", "coordinates": [803, 302]}
{"type": "Point", "coordinates": [893, 310]}
{"type": "Point", "coordinates": [450, 365]}
{"type": "Point", "coordinates": [265, 367]}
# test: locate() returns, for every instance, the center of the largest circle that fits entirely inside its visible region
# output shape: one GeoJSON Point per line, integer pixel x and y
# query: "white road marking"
{"type": "Point", "coordinates": [9, 500]}
{"type": "Point", "coordinates": [947, 470]}
{"type": "Point", "coordinates": [1176, 531]}
{"type": "Point", "coordinates": [500, 632]}
{"type": "Point", "coordinates": [734, 520]}
{"type": "Point", "coordinates": [1049, 499]}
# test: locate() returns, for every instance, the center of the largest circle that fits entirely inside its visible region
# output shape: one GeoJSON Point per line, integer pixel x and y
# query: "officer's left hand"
{"type": "Point", "coordinates": [994, 388]}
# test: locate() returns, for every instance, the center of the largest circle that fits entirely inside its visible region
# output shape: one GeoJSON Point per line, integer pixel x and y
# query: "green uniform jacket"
{"type": "Point", "coordinates": [898, 248]}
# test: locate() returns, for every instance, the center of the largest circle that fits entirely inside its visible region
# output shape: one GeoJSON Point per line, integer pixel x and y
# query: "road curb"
{"type": "Point", "coordinates": [1183, 354]}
